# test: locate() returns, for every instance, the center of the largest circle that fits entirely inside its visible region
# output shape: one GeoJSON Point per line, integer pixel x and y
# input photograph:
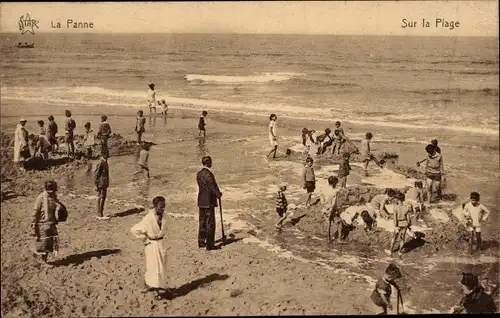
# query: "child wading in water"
{"type": "Point", "coordinates": [139, 125]}
{"type": "Point", "coordinates": [309, 179]}
{"type": "Point", "coordinates": [366, 151]}
{"type": "Point", "coordinates": [88, 139]}
{"type": "Point", "coordinates": [164, 108]}
{"type": "Point", "coordinates": [475, 215]}
{"type": "Point", "coordinates": [281, 205]}
{"type": "Point", "coordinates": [273, 137]}
{"type": "Point", "coordinates": [381, 295]}
{"type": "Point", "coordinates": [143, 160]}
{"type": "Point", "coordinates": [202, 124]}
{"type": "Point", "coordinates": [344, 169]}
{"type": "Point", "coordinates": [402, 223]}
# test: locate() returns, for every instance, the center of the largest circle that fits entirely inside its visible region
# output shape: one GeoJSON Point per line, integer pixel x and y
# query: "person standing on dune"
{"type": "Point", "coordinates": [103, 134]}
{"type": "Point", "coordinates": [151, 99]}
{"type": "Point", "coordinates": [208, 194]}
{"type": "Point", "coordinates": [273, 137]}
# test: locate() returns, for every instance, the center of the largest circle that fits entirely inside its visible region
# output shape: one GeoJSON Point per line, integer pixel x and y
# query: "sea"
{"type": "Point", "coordinates": [406, 89]}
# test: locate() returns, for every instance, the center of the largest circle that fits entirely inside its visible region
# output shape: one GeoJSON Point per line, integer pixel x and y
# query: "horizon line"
{"type": "Point", "coordinates": [238, 33]}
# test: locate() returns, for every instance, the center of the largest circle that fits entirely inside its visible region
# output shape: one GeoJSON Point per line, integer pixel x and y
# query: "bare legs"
{"type": "Point", "coordinates": [275, 149]}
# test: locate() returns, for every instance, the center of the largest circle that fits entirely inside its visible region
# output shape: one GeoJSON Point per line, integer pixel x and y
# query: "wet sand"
{"type": "Point", "coordinates": [100, 267]}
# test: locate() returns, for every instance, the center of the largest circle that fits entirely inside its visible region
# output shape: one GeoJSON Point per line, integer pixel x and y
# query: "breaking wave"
{"type": "Point", "coordinates": [229, 79]}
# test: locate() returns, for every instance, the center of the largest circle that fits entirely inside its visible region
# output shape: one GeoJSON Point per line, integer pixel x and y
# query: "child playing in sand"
{"type": "Point", "coordinates": [201, 123]}
{"type": "Point", "coordinates": [377, 205]}
{"type": "Point", "coordinates": [381, 295]}
{"type": "Point", "coordinates": [309, 179]}
{"type": "Point", "coordinates": [402, 223]}
{"type": "Point", "coordinates": [88, 139]}
{"type": "Point", "coordinates": [414, 198]}
{"type": "Point", "coordinates": [281, 205]}
{"type": "Point", "coordinates": [475, 214]}
{"type": "Point", "coordinates": [347, 218]}
{"type": "Point", "coordinates": [366, 151]}
{"type": "Point", "coordinates": [143, 160]}
{"type": "Point", "coordinates": [344, 170]}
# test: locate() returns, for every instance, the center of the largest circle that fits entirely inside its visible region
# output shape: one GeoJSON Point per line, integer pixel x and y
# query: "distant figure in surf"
{"type": "Point", "coordinates": [151, 99]}
{"type": "Point", "coordinates": [202, 124]}
{"type": "Point", "coordinates": [273, 137]}
{"type": "Point", "coordinates": [140, 122]}
{"type": "Point", "coordinates": [101, 181]}
{"type": "Point", "coordinates": [281, 206]}
{"type": "Point", "coordinates": [366, 151]}
{"type": "Point", "coordinates": [143, 160]}
{"type": "Point", "coordinates": [344, 169]}
{"type": "Point", "coordinates": [433, 172]}
{"type": "Point", "coordinates": [51, 133]}
{"type": "Point", "coordinates": [70, 134]}
{"type": "Point", "coordinates": [309, 180]}
{"type": "Point", "coordinates": [402, 222]}
{"type": "Point", "coordinates": [475, 215]}
{"type": "Point", "coordinates": [152, 230]}
{"type": "Point", "coordinates": [88, 140]}
{"type": "Point", "coordinates": [381, 295]}
{"type": "Point", "coordinates": [103, 134]}
{"type": "Point", "coordinates": [164, 108]}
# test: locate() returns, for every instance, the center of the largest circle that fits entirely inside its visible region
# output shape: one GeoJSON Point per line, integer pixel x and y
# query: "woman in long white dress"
{"type": "Point", "coordinates": [152, 229]}
{"type": "Point", "coordinates": [21, 148]}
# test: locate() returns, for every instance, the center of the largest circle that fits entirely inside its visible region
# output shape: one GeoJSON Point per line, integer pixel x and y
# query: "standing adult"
{"type": "Point", "coordinates": [70, 137]}
{"type": "Point", "coordinates": [152, 99]}
{"type": "Point", "coordinates": [273, 137]}
{"type": "Point", "coordinates": [139, 125]}
{"type": "Point", "coordinates": [101, 181]}
{"type": "Point", "coordinates": [21, 147]}
{"type": "Point", "coordinates": [51, 134]}
{"type": "Point", "coordinates": [433, 171]}
{"type": "Point", "coordinates": [48, 211]}
{"type": "Point", "coordinates": [103, 134]}
{"type": "Point", "coordinates": [152, 229]}
{"type": "Point", "coordinates": [208, 194]}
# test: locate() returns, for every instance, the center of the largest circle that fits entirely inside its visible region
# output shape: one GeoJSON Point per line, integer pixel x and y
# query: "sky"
{"type": "Point", "coordinates": [476, 18]}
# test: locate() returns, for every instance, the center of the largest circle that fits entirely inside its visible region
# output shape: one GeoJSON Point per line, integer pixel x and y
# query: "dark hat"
{"type": "Point", "coordinates": [469, 280]}
{"type": "Point", "coordinates": [50, 186]}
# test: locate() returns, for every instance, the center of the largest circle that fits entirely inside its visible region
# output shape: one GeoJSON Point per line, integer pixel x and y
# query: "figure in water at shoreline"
{"type": "Point", "coordinates": [101, 181]}
{"type": "Point", "coordinates": [152, 99]}
{"type": "Point", "coordinates": [273, 137]}
{"type": "Point", "coordinates": [152, 230]}
{"type": "Point", "coordinates": [202, 124]}
{"type": "Point", "coordinates": [140, 122]}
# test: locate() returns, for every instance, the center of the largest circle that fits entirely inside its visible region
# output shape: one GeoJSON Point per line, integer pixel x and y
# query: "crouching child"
{"type": "Point", "coordinates": [381, 295]}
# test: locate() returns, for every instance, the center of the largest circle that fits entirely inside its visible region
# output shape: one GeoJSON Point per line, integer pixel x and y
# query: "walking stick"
{"type": "Point", "coordinates": [222, 222]}
{"type": "Point", "coordinates": [400, 299]}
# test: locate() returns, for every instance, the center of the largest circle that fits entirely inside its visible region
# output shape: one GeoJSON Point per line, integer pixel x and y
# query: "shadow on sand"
{"type": "Point", "coordinates": [172, 293]}
{"type": "Point", "coordinates": [77, 259]}
{"type": "Point", "coordinates": [229, 240]}
{"type": "Point", "coordinates": [127, 212]}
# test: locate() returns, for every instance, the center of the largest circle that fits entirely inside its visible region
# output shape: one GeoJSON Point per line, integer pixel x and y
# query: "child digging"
{"type": "Point", "coordinates": [344, 169]}
{"type": "Point", "coordinates": [381, 295]}
{"type": "Point", "coordinates": [309, 179]}
{"type": "Point", "coordinates": [143, 160]}
{"type": "Point", "coordinates": [402, 223]}
{"type": "Point", "coordinates": [281, 205]}
{"type": "Point", "coordinates": [475, 215]}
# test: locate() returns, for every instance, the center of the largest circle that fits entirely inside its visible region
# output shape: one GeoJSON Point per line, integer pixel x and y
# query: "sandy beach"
{"type": "Point", "coordinates": [100, 267]}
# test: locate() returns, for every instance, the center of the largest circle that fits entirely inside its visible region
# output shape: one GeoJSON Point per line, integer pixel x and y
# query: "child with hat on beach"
{"type": "Point", "coordinates": [281, 205]}
{"type": "Point", "coordinates": [475, 214]}
{"type": "Point", "coordinates": [381, 295]}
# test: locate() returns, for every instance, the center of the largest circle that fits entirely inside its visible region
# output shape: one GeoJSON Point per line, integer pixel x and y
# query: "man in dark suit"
{"type": "Point", "coordinates": [208, 194]}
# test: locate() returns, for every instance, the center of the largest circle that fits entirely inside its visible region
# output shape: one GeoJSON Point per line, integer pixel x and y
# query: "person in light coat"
{"type": "Point", "coordinates": [152, 229]}
{"type": "Point", "coordinates": [21, 148]}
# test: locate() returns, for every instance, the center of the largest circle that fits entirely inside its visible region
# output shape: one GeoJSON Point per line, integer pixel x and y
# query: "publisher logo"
{"type": "Point", "coordinates": [27, 24]}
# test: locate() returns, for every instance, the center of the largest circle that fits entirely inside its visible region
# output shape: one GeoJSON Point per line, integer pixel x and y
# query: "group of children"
{"type": "Point", "coordinates": [335, 139]}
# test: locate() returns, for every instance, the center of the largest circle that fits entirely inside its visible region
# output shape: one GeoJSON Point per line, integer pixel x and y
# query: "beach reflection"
{"type": "Point", "coordinates": [201, 148]}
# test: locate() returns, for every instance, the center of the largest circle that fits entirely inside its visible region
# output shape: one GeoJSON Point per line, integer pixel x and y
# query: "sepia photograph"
{"type": "Point", "coordinates": [249, 158]}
